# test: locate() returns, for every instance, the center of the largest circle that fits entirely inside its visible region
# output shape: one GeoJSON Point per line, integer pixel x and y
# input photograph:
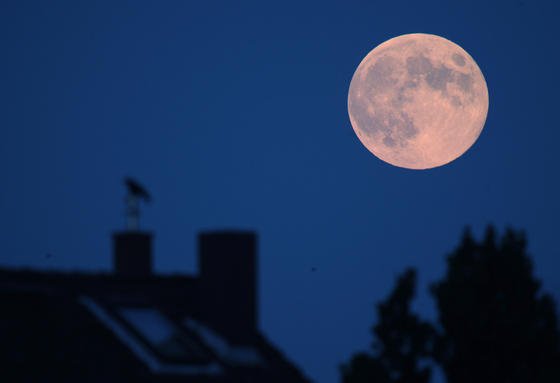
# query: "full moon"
{"type": "Point", "coordinates": [418, 101]}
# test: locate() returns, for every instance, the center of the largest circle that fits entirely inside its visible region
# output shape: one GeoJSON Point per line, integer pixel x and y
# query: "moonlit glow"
{"type": "Point", "coordinates": [418, 101]}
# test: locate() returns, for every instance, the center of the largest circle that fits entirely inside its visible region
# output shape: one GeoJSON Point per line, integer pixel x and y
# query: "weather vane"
{"type": "Point", "coordinates": [136, 192]}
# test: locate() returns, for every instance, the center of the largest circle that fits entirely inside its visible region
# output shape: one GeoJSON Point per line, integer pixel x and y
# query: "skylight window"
{"type": "Point", "coordinates": [155, 340]}
{"type": "Point", "coordinates": [161, 334]}
{"type": "Point", "coordinates": [240, 355]}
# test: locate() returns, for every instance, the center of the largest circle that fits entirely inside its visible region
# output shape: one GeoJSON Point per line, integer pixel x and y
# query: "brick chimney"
{"type": "Point", "coordinates": [227, 262]}
{"type": "Point", "coordinates": [132, 248]}
{"type": "Point", "coordinates": [132, 254]}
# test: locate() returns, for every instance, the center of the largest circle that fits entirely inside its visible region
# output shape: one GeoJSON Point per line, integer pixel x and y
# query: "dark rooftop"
{"type": "Point", "coordinates": [133, 325]}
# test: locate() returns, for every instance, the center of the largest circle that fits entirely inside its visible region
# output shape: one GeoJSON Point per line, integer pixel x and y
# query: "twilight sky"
{"type": "Point", "coordinates": [234, 115]}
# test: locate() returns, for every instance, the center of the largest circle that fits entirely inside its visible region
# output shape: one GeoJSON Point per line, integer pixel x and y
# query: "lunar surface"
{"type": "Point", "coordinates": [418, 101]}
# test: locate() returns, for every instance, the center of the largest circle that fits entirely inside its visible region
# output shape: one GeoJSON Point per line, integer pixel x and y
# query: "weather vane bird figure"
{"type": "Point", "coordinates": [136, 193]}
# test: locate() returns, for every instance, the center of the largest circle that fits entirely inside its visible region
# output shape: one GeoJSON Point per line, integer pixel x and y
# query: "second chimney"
{"type": "Point", "coordinates": [228, 284]}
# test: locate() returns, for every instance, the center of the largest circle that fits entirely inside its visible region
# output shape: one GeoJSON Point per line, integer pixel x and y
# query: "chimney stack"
{"type": "Point", "coordinates": [132, 254]}
{"type": "Point", "coordinates": [132, 248]}
{"type": "Point", "coordinates": [228, 284]}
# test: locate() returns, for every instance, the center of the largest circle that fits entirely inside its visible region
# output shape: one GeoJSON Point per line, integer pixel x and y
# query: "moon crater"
{"type": "Point", "coordinates": [418, 101]}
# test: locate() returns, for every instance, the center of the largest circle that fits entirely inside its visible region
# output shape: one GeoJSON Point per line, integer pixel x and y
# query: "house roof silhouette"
{"type": "Point", "coordinates": [134, 326]}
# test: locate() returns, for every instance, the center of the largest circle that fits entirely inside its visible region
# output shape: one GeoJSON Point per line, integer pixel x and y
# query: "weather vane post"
{"type": "Point", "coordinates": [136, 192]}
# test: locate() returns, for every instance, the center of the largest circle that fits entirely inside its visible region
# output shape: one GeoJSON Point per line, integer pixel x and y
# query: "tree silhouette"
{"type": "Point", "coordinates": [364, 368]}
{"type": "Point", "coordinates": [402, 340]}
{"type": "Point", "coordinates": [494, 323]}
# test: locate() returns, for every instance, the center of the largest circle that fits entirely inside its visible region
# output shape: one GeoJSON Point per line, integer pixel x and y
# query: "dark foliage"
{"type": "Point", "coordinates": [402, 340]}
{"type": "Point", "coordinates": [494, 323]}
{"type": "Point", "coordinates": [364, 368]}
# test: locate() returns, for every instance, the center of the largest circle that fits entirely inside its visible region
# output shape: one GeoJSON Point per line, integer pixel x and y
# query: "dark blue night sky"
{"type": "Point", "coordinates": [234, 115]}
